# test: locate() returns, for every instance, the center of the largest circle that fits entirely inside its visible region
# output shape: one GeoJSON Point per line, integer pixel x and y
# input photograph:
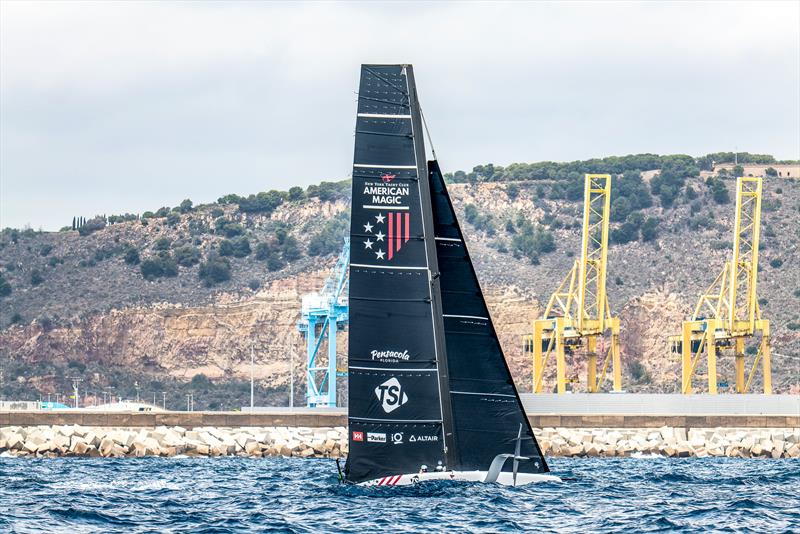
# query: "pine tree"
{"type": "Point", "coordinates": [73, 223]}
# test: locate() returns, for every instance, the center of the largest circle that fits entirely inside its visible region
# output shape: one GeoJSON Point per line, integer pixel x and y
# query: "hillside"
{"type": "Point", "coordinates": [175, 299]}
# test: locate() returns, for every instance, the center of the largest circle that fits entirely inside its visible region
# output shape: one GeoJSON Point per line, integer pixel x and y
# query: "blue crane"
{"type": "Point", "coordinates": [323, 315]}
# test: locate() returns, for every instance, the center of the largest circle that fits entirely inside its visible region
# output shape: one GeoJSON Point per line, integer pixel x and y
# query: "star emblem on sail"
{"type": "Point", "coordinates": [397, 226]}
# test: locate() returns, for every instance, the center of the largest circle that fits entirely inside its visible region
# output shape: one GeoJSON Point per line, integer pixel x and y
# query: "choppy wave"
{"type": "Point", "coordinates": [72, 495]}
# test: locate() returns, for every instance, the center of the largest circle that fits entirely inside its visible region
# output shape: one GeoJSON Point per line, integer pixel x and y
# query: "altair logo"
{"type": "Point", "coordinates": [391, 395]}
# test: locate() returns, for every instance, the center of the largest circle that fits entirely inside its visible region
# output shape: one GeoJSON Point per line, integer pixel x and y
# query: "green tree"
{"type": "Point", "coordinates": [185, 206]}
{"type": "Point", "coordinates": [512, 190]}
{"type": "Point", "coordinates": [241, 247]}
{"type": "Point", "coordinates": [738, 171]}
{"type": "Point", "coordinates": [770, 171]}
{"type": "Point", "coordinates": [296, 193]}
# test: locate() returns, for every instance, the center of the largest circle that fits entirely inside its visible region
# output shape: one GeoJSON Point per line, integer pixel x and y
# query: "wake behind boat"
{"type": "Point", "coordinates": [430, 394]}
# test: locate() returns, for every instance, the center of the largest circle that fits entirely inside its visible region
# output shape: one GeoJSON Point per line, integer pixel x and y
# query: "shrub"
{"type": "Point", "coordinates": [187, 256]}
{"type": "Point", "coordinates": [624, 233]}
{"type": "Point", "coordinates": [162, 243]}
{"type": "Point", "coordinates": [533, 241]}
{"type": "Point", "coordinates": [470, 212]}
{"type": "Point", "coordinates": [330, 239]}
{"type": "Point", "coordinates": [775, 263]}
{"type": "Point", "coordinates": [16, 318]}
{"type": "Point", "coordinates": [254, 284]}
{"type": "Point", "coordinates": [228, 228]}
{"type": "Point", "coordinates": [185, 206]}
{"type": "Point", "coordinates": [738, 171]}
{"type": "Point", "coordinates": [46, 249]}
{"type": "Point", "coordinates": [241, 247]}
{"type": "Point", "coordinates": [770, 171]}
{"type": "Point", "coordinates": [36, 277]}
{"type": "Point", "coordinates": [639, 372]}
{"type": "Point", "coordinates": [159, 266]}
{"type": "Point", "coordinates": [512, 190]}
{"type": "Point", "coordinates": [132, 256]}
{"type": "Point", "coordinates": [5, 287]}
{"type": "Point", "coordinates": [793, 326]}
{"type": "Point", "coordinates": [197, 227]}
{"type": "Point", "coordinates": [719, 192]}
{"type": "Point", "coordinates": [162, 212]}
{"type": "Point", "coordinates": [264, 202]}
{"type": "Point", "coordinates": [650, 229]}
{"type": "Point", "coordinates": [54, 260]}
{"type": "Point", "coordinates": [173, 218]}
{"type": "Point", "coordinates": [92, 225]}
{"type": "Point", "coordinates": [263, 250]}
{"type": "Point", "coordinates": [226, 247]}
{"type": "Point", "coordinates": [290, 249]}
{"type": "Point", "coordinates": [215, 270]}
{"type": "Point", "coordinates": [296, 193]}
{"type": "Point", "coordinates": [217, 212]}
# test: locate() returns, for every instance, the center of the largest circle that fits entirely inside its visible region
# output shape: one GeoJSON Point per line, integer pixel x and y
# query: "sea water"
{"type": "Point", "coordinates": [74, 495]}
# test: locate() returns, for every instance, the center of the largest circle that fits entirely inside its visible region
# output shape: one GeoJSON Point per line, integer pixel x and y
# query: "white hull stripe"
{"type": "Point", "coordinates": [387, 267]}
{"type": "Point", "coordinates": [383, 116]}
{"type": "Point", "coordinates": [387, 208]}
{"type": "Point", "coordinates": [370, 166]}
{"type": "Point", "coordinates": [465, 317]}
{"type": "Point", "coordinates": [448, 239]}
{"type": "Point", "coordinates": [483, 394]}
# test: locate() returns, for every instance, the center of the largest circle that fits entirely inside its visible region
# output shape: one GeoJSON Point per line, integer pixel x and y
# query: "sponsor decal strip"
{"type": "Point", "coordinates": [382, 116]}
{"type": "Point", "coordinates": [447, 239]}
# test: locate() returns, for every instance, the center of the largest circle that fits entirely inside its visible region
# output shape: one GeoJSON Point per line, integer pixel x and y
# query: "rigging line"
{"type": "Point", "coordinates": [427, 131]}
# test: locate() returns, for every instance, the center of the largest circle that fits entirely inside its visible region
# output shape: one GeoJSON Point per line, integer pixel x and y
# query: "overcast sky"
{"type": "Point", "coordinates": [111, 108]}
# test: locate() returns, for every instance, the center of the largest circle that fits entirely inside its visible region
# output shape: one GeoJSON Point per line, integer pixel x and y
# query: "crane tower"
{"type": "Point", "coordinates": [578, 314]}
{"type": "Point", "coordinates": [727, 314]}
{"type": "Point", "coordinates": [323, 315]}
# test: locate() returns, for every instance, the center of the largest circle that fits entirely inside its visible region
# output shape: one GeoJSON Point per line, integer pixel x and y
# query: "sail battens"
{"type": "Point", "coordinates": [395, 369]}
{"type": "Point", "coordinates": [482, 394]}
{"type": "Point", "coordinates": [378, 166]}
{"type": "Point", "coordinates": [390, 267]}
{"type": "Point", "coordinates": [383, 116]}
{"type": "Point", "coordinates": [398, 208]}
{"type": "Point", "coordinates": [404, 421]}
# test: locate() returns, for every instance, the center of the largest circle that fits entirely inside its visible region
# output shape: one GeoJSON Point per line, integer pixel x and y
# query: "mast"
{"type": "Point", "coordinates": [451, 453]}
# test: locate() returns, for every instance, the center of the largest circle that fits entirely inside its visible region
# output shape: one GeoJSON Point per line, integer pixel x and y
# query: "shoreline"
{"type": "Point", "coordinates": [48, 441]}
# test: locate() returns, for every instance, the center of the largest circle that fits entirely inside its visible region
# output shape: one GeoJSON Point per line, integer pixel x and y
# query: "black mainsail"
{"type": "Point", "coordinates": [417, 313]}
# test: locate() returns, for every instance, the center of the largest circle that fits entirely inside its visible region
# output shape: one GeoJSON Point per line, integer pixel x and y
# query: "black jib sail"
{"type": "Point", "coordinates": [405, 411]}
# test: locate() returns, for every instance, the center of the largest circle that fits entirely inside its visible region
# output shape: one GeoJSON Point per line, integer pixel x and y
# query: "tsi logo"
{"type": "Point", "coordinates": [391, 395]}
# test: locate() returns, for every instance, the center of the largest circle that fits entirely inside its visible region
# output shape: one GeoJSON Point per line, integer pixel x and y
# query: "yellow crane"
{"type": "Point", "coordinates": [727, 313]}
{"type": "Point", "coordinates": [578, 314]}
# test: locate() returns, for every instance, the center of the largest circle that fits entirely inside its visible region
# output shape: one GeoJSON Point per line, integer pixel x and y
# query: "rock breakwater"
{"type": "Point", "coordinates": [75, 440]}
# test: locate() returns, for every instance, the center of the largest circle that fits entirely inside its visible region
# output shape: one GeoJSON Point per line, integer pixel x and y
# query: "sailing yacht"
{"type": "Point", "coordinates": [430, 393]}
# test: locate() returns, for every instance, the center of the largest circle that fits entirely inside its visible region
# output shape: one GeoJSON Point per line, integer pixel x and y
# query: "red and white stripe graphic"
{"type": "Point", "coordinates": [389, 481]}
{"type": "Point", "coordinates": [399, 224]}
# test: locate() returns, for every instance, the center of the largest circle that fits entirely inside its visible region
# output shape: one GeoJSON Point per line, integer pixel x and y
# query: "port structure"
{"type": "Point", "coordinates": [578, 315]}
{"type": "Point", "coordinates": [727, 314]}
{"type": "Point", "coordinates": [323, 315]}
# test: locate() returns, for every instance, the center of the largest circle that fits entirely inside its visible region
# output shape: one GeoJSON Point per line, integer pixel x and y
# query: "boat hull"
{"type": "Point", "coordinates": [505, 478]}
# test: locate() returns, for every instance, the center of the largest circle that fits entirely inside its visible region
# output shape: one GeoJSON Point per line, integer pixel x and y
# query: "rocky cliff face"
{"type": "Point", "coordinates": [95, 320]}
